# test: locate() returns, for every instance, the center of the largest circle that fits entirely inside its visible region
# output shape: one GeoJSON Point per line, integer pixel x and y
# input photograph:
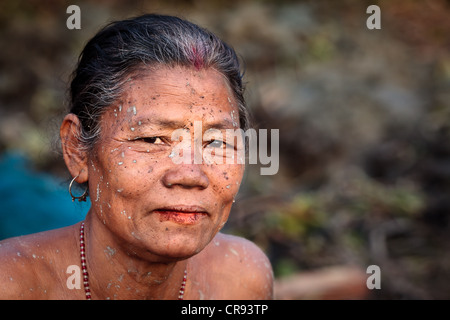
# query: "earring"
{"type": "Point", "coordinates": [80, 198]}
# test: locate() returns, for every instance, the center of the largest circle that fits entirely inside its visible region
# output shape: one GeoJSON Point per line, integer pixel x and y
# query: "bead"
{"type": "Point", "coordinates": [87, 289]}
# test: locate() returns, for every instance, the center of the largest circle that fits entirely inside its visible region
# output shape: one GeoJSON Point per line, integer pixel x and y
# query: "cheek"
{"type": "Point", "coordinates": [134, 177]}
{"type": "Point", "coordinates": [228, 180]}
{"type": "Point", "coordinates": [121, 173]}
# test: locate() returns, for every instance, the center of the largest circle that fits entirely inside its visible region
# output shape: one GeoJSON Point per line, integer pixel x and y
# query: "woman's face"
{"type": "Point", "coordinates": [156, 206]}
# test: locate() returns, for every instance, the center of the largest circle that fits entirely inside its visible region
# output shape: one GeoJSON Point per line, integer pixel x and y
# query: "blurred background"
{"type": "Point", "coordinates": [364, 120]}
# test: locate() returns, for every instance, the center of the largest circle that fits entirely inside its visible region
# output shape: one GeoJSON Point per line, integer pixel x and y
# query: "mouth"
{"type": "Point", "coordinates": [181, 214]}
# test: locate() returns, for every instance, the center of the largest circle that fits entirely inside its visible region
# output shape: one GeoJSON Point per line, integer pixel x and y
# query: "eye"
{"type": "Point", "coordinates": [216, 144]}
{"type": "Point", "coordinates": [151, 140]}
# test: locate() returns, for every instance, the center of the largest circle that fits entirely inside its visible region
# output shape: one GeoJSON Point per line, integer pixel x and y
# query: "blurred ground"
{"type": "Point", "coordinates": [364, 119]}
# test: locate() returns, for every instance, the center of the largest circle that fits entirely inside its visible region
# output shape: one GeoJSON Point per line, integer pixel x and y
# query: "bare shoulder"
{"type": "Point", "coordinates": [238, 268]}
{"type": "Point", "coordinates": [16, 269]}
{"type": "Point", "coordinates": [27, 265]}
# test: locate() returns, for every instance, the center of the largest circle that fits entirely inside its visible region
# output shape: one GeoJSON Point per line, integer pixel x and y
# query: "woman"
{"type": "Point", "coordinates": [152, 231]}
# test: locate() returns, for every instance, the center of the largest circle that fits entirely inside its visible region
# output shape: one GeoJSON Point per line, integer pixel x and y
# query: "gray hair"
{"type": "Point", "coordinates": [122, 48]}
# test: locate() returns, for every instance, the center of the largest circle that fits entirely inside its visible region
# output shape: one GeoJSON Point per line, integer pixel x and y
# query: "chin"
{"type": "Point", "coordinates": [175, 254]}
{"type": "Point", "coordinates": [170, 241]}
{"type": "Point", "coordinates": [176, 248]}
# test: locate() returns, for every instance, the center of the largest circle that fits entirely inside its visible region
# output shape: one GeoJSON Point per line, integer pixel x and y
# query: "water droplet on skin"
{"type": "Point", "coordinates": [98, 193]}
{"type": "Point", "coordinates": [110, 251]}
{"type": "Point", "coordinates": [120, 163]}
{"type": "Point", "coordinates": [135, 236]}
{"type": "Point", "coordinates": [132, 109]}
{"type": "Point", "coordinates": [92, 164]}
{"type": "Point", "coordinates": [132, 129]}
{"type": "Point", "coordinates": [233, 120]}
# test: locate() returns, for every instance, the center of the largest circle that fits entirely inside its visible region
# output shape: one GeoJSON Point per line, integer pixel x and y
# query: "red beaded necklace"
{"type": "Point", "coordinates": [87, 290]}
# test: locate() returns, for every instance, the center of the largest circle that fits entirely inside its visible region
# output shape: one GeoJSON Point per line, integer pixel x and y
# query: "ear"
{"type": "Point", "coordinates": [74, 155]}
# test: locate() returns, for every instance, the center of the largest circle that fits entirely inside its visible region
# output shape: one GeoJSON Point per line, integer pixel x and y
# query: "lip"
{"type": "Point", "coordinates": [181, 214]}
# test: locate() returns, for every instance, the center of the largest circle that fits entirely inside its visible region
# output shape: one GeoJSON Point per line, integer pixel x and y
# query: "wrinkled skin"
{"type": "Point", "coordinates": [136, 250]}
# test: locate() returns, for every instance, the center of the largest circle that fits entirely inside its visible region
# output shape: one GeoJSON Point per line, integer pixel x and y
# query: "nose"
{"type": "Point", "coordinates": [187, 176]}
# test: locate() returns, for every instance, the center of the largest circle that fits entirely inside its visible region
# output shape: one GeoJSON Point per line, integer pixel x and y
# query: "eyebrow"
{"type": "Point", "coordinates": [176, 124]}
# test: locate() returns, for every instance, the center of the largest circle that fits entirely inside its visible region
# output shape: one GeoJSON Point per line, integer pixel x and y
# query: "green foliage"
{"type": "Point", "coordinates": [297, 218]}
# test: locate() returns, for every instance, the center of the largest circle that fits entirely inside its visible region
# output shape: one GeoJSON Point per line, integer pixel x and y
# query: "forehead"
{"type": "Point", "coordinates": [178, 92]}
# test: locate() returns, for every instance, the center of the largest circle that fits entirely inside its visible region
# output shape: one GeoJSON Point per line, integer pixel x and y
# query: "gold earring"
{"type": "Point", "coordinates": [80, 198]}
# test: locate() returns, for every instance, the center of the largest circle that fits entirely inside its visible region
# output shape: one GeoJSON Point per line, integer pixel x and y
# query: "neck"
{"type": "Point", "coordinates": [117, 272]}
